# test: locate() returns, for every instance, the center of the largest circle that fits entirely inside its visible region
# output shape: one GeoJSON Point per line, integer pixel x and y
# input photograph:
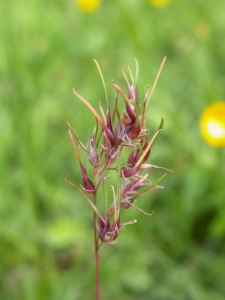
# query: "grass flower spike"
{"type": "Point", "coordinates": [116, 132]}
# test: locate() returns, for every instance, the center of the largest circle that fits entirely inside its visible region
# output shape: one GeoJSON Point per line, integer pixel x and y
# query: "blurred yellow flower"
{"type": "Point", "coordinates": [212, 124]}
{"type": "Point", "coordinates": [88, 5]}
{"type": "Point", "coordinates": [160, 3]}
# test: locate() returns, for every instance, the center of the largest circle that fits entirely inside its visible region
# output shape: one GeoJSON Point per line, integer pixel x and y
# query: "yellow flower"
{"type": "Point", "coordinates": [88, 5]}
{"type": "Point", "coordinates": [160, 3]}
{"type": "Point", "coordinates": [212, 124]}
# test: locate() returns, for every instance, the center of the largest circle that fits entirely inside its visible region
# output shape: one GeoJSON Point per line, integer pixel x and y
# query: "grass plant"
{"type": "Point", "coordinates": [47, 47]}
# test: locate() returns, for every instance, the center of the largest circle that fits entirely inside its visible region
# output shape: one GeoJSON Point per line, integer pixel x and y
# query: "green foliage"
{"type": "Point", "coordinates": [46, 236]}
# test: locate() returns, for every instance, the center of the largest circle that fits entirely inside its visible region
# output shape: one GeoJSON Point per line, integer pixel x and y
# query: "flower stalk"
{"type": "Point", "coordinates": [114, 132]}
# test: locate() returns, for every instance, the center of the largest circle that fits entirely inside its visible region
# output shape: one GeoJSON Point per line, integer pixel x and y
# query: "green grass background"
{"type": "Point", "coordinates": [46, 239]}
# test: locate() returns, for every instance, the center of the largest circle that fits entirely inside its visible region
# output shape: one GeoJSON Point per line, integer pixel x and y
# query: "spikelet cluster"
{"type": "Point", "coordinates": [115, 131]}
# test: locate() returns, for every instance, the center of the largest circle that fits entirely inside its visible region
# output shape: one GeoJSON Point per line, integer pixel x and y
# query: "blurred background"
{"type": "Point", "coordinates": [46, 239]}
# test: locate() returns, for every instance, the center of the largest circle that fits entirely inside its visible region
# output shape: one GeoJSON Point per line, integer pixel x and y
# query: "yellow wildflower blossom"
{"type": "Point", "coordinates": [160, 3]}
{"type": "Point", "coordinates": [88, 6]}
{"type": "Point", "coordinates": [212, 124]}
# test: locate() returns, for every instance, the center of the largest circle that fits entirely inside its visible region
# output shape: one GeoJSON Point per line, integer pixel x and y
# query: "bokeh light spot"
{"type": "Point", "coordinates": [88, 6]}
{"type": "Point", "coordinates": [212, 124]}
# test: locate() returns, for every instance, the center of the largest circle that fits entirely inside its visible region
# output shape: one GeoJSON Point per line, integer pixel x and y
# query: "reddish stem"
{"type": "Point", "coordinates": [96, 274]}
{"type": "Point", "coordinates": [97, 297]}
